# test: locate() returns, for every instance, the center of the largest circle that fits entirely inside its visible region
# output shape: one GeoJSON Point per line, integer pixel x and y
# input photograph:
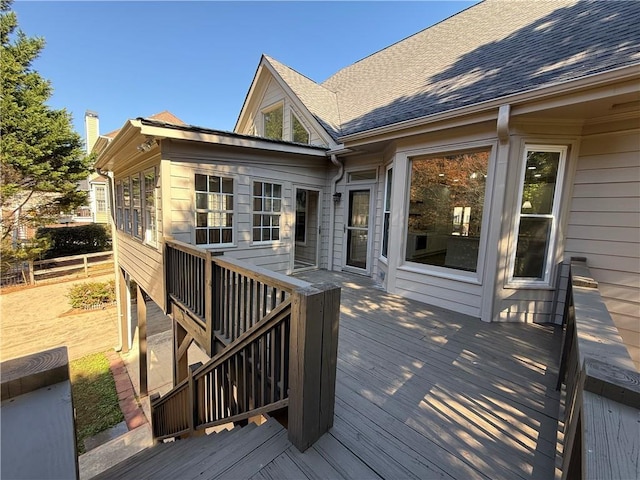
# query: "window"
{"type": "Point", "coordinates": [136, 206]}
{"type": "Point", "coordinates": [101, 199]}
{"type": "Point", "coordinates": [301, 216]}
{"type": "Point", "coordinates": [362, 176]}
{"type": "Point", "coordinates": [267, 205]}
{"type": "Point", "coordinates": [150, 227]}
{"type": "Point", "coordinates": [119, 206]}
{"type": "Point", "coordinates": [299, 134]}
{"type": "Point", "coordinates": [272, 123]}
{"type": "Point", "coordinates": [538, 212]}
{"type": "Point", "coordinates": [387, 213]}
{"type": "Point", "coordinates": [445, 210]}
{"type": "Point", "coordinates": [126, 201]}
{"type": "Point", "coordinates": [214, 210]}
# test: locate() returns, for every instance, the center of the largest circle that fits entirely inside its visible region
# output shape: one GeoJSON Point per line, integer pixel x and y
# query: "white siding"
{"type": "Point", "coordinates": [244, 170]}
{"type": "Point", "coordinates": [604, 225]}
{"type": "Point", "coordinates": [272, 96]}
{"type": "Point", "coordinates": [144, 264]}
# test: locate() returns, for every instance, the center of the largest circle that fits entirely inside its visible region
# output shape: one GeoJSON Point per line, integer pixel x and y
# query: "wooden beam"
{"type": "Point", "coordinates": [312, 360]}
{"type": "Point", "coordinates": [185, 344]}
{"type": "Point", "coordinates": [123, 311]}
{"type": "Point", "coordinates": [180, 362]}
{"type": "Point", "coordinates": [142, 341]}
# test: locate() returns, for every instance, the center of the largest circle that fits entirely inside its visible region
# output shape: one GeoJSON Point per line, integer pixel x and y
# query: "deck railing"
{"type": "Point", "coordinates": [281, 346]}
{"type": "Point", "coordinates": [602, 388]}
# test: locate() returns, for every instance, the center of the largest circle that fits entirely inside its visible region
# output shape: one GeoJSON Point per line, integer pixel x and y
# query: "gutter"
{"type": "Point", "coordinates": [332, 221]}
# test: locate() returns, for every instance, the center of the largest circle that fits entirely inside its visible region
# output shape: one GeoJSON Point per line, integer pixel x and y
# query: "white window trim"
{"type": "Point", "coordinates": [261, 243]}
{"type": "Point", "coordinates": [306, 214]}
{"type": "Point", "coordinates": [270, 108]}
{"type": "Point", "coordinates": [387, 194]}
{"type": "Point", "coordinates": [350, 171]}
{"type": "Point", "coordinates": [145, 227]}
{"type": "Point", "coordinates": [445, 272]}
{"type": "Point", "coordinates": [234, 233]}
{"type": "Point", "coordinates": [292, 114]}
{"type": "Point", "coordinates": [555, 214]}
{"type": "Point", "coordinates": [140, 209]}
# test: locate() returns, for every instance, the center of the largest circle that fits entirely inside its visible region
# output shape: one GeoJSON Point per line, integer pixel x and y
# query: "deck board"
{"type": "Point", "coordinates": [444, 390]}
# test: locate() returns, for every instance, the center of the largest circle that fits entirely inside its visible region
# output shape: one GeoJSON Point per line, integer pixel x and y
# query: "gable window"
{"type": "Point", "coordinates": [267, 207]}
{"type": "Point", "coordinates": [445, 210]}
{"type": "Point", "coordinates": [299, 133]}
{"type": "Point", "coordinates": [537, 218]}
{"type": "Point", "coordinates": [126, 201]}
{"type": "Point", "coordinates": [387, 213]}
{"type": "Point", "coordinates": [272, 122]}
{"type": "Point", "coordinates": [150, 227]}
{"type": "Point", "coordinates": [119, 206]}
{"type": "Point", "coordinates": [214, 210]}
{"type": "Point", "coordinates": [136, 206]}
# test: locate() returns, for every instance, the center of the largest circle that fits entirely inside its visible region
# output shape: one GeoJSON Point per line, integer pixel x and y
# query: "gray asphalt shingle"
{"type": "Point", "coordinates": [493, 49]}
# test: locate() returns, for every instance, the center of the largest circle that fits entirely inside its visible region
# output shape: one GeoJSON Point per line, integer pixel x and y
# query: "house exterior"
{"type": "Point", "coordinates": [462, 167]}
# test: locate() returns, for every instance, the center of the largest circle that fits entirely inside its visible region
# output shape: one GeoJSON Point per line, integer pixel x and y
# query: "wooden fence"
{"type": "Point", "coordinates": [602, 394]}
{"type": "Point", "coordinates": [56, 267]}
{"type": "Point", "coordinates": [281, 346]}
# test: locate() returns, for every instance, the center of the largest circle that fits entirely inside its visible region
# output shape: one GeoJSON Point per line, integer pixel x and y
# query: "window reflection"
{"type": "Point", "coordinates": [445, 210]}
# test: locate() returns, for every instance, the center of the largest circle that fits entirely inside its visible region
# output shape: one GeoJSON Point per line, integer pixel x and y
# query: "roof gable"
{"type": "Point", "coordinates": [488, 51]}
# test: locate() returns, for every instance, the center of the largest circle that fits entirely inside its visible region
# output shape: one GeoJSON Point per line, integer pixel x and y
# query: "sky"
{"type": "Point", "coordinates": [197, 59]}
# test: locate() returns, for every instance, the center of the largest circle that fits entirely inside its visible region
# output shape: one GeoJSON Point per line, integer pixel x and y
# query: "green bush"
{"type": "Point", "coordinates": [92, 294]}
{"type": "Point", "coordinates": [76, 240]}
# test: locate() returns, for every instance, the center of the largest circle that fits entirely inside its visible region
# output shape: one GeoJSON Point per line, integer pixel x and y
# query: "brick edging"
{"type": "Point", "coordinates": [133, 414]}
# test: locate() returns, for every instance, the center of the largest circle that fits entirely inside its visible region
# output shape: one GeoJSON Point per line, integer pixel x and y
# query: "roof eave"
{"type": "Point", "coordinates": [486, 110]}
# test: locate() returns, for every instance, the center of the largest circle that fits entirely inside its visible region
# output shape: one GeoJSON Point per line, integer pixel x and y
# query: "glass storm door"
{"type": "Point", "coordinates": [357, 229]}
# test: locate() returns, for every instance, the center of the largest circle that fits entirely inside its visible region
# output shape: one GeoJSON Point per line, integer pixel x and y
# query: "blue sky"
{"type": "Point", "coordinates": [197, 59]}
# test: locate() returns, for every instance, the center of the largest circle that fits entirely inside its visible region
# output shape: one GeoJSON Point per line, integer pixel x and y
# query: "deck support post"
{"type": "Point", "coordinates": [142, 341]}
{"type": "Point", "coordinates": [123, 310]}
{"type": "Point", "coordinates": [180, 356]}
{"type": "Point", "coordinates": [313, 349]}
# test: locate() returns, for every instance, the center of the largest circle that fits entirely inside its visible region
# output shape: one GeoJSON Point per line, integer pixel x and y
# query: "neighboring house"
{"type": "Point", "coordinates": [461, 167]}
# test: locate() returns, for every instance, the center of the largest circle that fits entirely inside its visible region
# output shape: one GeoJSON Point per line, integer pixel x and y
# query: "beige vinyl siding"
{"type": "Point", "coordinates": [604, 225]}
{"type": "Point", "coordinates": [453, 295]}
{"type": "Point", "coordinates": [186, 161]}
{"type": "Point", "coordinates": [144, 265]}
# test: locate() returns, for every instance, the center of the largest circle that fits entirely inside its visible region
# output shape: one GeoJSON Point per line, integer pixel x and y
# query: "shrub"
{"type": "Point", "coordinates": [92, 294]}
{"type": "Point", "coordinates": [76, 240]}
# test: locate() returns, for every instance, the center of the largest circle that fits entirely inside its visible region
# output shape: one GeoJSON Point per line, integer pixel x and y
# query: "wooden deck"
{"type": "Point", "coordinates": [427, 393]}
{"type": "Point", "coordinates": [421, 393]}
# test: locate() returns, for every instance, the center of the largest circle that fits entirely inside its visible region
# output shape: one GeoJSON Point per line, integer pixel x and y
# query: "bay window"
{"type": "Point", "coordinates": [446, 203]}
{"type": "Point", "coordinates": [136, 206]}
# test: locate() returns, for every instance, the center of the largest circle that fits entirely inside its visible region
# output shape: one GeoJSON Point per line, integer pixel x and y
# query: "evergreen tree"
{"type": "Point", "coordinates": [42, 157]}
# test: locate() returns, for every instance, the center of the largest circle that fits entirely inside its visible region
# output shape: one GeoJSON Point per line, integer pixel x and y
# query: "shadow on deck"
{"type": "Point", "coordinates": [428, 393]}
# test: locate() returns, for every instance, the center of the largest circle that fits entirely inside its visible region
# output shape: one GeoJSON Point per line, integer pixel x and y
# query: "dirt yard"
{"type": "Point", "coordinates": [37, 318]}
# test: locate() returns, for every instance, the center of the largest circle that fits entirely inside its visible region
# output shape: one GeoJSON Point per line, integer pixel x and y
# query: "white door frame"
{"type": "Point", "coordinates": [345, 253]}
{"type": "Point", "coordinates": [293, 228]}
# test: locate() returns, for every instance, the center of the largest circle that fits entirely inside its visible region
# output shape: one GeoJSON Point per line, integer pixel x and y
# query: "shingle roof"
{"type": "Point", "coordinates": [493, 49]}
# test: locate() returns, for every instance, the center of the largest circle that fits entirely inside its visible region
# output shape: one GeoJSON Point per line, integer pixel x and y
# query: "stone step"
{"type": "Point", "coordinates": [114, 452]}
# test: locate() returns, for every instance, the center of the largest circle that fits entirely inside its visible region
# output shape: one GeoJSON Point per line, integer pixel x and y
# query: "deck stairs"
{"type": "Point", "coordinates": [243, 452]}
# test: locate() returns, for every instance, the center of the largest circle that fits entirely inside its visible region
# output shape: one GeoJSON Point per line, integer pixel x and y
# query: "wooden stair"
{"type": "Point", "coordinates": [238, 453]}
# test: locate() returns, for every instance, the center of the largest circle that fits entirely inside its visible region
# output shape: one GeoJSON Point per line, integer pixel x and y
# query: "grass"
{"type": "Point", "coordinates": [94, 397]}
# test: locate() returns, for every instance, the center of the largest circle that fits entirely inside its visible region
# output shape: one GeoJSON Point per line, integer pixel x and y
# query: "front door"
{"type": "Point", "coordinates": [357, 229]}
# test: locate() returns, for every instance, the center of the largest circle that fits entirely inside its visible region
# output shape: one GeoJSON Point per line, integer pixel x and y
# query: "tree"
{"type": "Point", "coordinates": [41, 156]}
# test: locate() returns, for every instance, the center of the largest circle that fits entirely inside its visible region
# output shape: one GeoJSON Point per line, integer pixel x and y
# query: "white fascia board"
{"type": "Point", "coordinates": [250, 95]}
{"type": "Point", "coordinates": [471, 112]}
{"type": "Point", "coordinates": [230, 140]}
